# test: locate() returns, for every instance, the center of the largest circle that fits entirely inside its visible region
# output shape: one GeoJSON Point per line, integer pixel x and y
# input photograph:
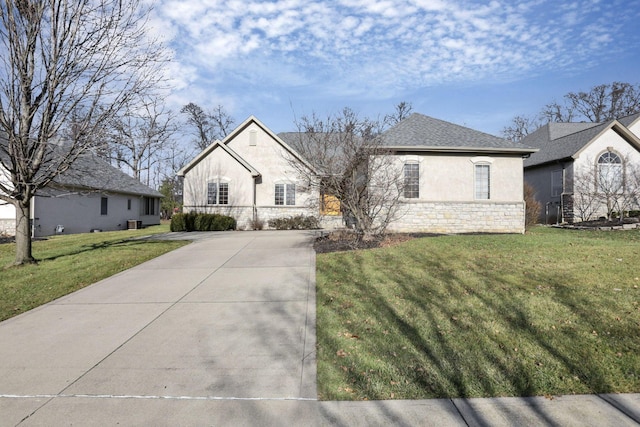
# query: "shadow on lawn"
{"type": "Point", "coordinates": [77, 250]}
{"type": "Point", "coordinates": [467, 341]}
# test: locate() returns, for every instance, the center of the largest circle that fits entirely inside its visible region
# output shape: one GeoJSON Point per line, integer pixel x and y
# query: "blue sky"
{"type": "Point", "coordinates": [474, 63]}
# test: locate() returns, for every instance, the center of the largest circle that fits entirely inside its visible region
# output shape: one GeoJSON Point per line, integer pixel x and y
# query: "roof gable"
{"type": "Point", "coordinates": [570, 145]}
{"type": "Point", "coordinates": [225, 142]}
{"type": "Point", "coordinates": [420, 132]}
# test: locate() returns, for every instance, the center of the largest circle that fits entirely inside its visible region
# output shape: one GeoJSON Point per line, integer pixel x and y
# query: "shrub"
{"type": "Point", "coordinates": [202, 222]}
{"type": "Point", "coordinates": [299, 222]}
{"type": "Point", "coordinates": [177, 222]}
{"type": "Point", "coordinates": [256, 224]}
{"type": "Point", "coordinates": [533, 207]}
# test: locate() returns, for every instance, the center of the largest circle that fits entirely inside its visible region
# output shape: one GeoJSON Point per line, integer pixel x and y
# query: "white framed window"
{"type": "Point", "coordinates": [411, 180]}
{"type": "Point", "coordinates": [285, 194]}
{"type": "Point", "coordinates": [482, 181]}
{"type": "Point", "coordinates": [610, 173]}
{"type": "Point", "coordinates": [557, 186]}
{"type": "Point", "coordinates": [217, 192]}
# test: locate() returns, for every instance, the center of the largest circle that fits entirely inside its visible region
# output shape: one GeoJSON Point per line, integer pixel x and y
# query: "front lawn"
{"type": "Point", "coordinates": [548, 313]}
{"type": "Point", "coordinates": [68, 263]}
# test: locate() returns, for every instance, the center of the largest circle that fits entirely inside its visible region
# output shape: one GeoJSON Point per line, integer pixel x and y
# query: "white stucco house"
{"type": "Point", "coordinates": [573, 157]}
{"type": "Point", "coordinates": [247, 176]}
{"type": "Point", "coordinates": [92, 195]}
{"type": "Point", "coordinates": [457, 180]}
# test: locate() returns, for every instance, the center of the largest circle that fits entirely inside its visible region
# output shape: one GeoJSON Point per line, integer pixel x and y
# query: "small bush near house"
{"type": "Point", "coordinates": [533, 207]}
{"type": "Point", "coordinates": [299, 222]}
{"type": "Point", "coordinates": [256, 224]}
{"type": "Point", "coordinates": [177, 222]}
{"type": "Point", "coordinates": [202, 222]}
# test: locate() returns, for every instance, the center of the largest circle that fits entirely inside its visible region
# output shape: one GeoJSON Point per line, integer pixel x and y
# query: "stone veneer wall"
{"type": "Point", "coordinates": [459, 217]}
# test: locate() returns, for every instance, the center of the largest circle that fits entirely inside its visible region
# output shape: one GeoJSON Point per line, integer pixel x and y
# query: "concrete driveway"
{"type": "Point", "coordinates": [225, 322]}
{"type": "Point", "coordinates": [220, 332]}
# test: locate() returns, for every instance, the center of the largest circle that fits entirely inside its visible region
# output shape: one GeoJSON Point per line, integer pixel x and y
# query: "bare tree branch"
{"type": "Point", "coordinates": [69, 66]}
{"type": "Point", "coordinates": [347, 154]}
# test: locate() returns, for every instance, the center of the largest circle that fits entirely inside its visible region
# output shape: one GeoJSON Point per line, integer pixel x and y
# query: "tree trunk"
{"type": "Point", "coordinates": [23, 234]}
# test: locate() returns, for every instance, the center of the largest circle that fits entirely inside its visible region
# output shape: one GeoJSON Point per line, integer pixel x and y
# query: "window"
{"type": "Point", "coordinates": [411, 180]}
{"type": "Point", "coordinates": [218, 193]}
{"type": "Point", "coordinates": [285, 194]}
{"type": "Point", "coordinates": [128, 204]}
{"type": "Point", "coordinates": [483, 182]}
{"type": "Point", "coordinates": [556, 183]}
{"type": "Point", "coordinates": [610, 173]}
{"type": "Point", "coordinates": [148, 206]}
{"type": "Point", "coordinates": [104, 205]}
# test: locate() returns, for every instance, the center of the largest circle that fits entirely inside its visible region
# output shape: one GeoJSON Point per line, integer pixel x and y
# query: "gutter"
{"type": "Point", "coordinates": [438, 149]}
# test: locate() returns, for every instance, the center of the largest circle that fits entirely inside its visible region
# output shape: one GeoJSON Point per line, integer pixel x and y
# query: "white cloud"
{"type": "Point", "coordinates": [382, 45]}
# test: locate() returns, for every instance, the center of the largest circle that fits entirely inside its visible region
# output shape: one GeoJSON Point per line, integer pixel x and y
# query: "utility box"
{"type": "Point", "coordinates": [133, 224]}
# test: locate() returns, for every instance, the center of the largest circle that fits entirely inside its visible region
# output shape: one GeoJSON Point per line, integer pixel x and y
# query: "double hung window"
{"type": "Point", "coordinates": [285, 194]}
{"type": "Point", "coordinates": [217, 193]}
{"type": "Point", "coordinates": [482, 181]}
{"type": "Point", "coordinates": [411, 180]}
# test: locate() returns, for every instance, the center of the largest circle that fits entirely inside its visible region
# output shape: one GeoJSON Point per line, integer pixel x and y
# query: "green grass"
{"type": "Point", "coordinates": [547, 313]}
{"type": "Point", "coordinates": [68, 263]}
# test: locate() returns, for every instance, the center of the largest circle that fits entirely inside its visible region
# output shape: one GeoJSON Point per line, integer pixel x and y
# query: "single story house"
{"type": "Point", "coordinates": [91, 195]}
{"type": "Point", "coordinates": [457, 180]}
{"type": "Point", "coordinates": [579, 166]}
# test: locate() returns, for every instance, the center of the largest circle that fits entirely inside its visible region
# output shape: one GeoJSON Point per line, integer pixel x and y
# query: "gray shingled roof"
{"type": "Point", "coordinates": [558, 141]}
{"type": "Point", "coordinates": [628, 120]}
{"type": "Point", "coordinates": [421, 131]}
{"type": "Point", "coordinates": [91, 172]}
{"type": "Point", "coordinates": [562, 147]}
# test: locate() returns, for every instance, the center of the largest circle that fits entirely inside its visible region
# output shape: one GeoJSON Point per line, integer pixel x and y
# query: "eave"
{"type": "Point", "coordinates": [438, 149]}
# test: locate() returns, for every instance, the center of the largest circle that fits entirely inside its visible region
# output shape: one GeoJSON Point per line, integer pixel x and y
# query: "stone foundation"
{"type": "Point", "coordinates": [460, 217]}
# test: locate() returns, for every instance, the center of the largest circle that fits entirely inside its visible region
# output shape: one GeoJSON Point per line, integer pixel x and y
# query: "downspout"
{"type": "Point", "coordinates": [255, 209]}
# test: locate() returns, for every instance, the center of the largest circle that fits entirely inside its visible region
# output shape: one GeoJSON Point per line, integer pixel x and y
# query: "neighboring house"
{"type": "Point", "coordinates": [578, 163]}
{"type": "Point", "coordinates": [457, 180]}
{"type": "Point", "coordinates": [92, 195]}
{"type": "Point", "coordinates": [248, 175]}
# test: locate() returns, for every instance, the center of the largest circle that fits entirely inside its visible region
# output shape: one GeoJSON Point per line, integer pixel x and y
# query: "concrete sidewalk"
{"type": "Point", "coordinates": [220, 332]}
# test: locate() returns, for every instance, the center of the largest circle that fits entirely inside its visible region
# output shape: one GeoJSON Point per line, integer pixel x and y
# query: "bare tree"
{"type": "Point", "coordinates": [605, 102]}
{"type": "Point", "coordinates": [520, 127]}
{"type": "Point", "coordinates": [351, 163]}
{"type": "Point", "coordinates": [402, 111]}
{"type": "Point", "coordinates": [556, 113]}
{"type": "Point", "coordinates": [607, 188]}
{"type": "Point", "coordinates": [207, 126]}
{"type": "Point", "coordinates": [139, 135]}
{"type": "Point", "coordinates": [599, 104]}
{"type": "Point", "coordinates": [585, 198]}
{"type": "Point", "coordinates": [68, 67]}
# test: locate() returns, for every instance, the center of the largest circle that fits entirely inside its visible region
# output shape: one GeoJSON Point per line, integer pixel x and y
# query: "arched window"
{"type": "Point", "coordinates": [610, 173]}
{"type": "Point", "coordinates": [482, 181]}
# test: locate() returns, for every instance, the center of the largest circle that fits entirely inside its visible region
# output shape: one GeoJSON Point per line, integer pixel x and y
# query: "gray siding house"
{"type": "Point", "coordinates": [92, 195]}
